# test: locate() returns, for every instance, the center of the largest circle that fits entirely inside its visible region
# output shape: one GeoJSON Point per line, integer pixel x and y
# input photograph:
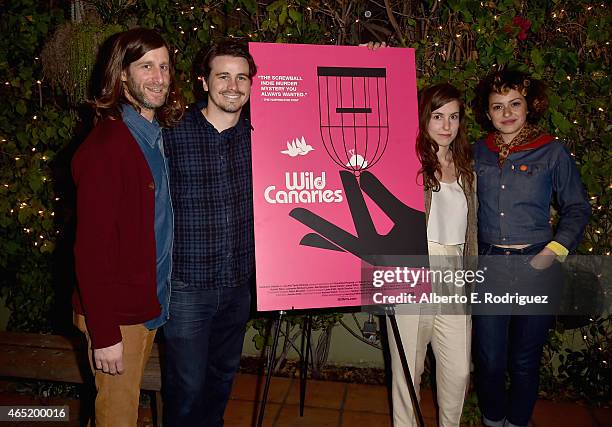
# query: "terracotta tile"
{"type": "Point", "coordinates": [240, 413]}
{"type": "Point", "coordinates": [365, 419]}
{"type": "Point", "coordinates": [561, 414]}
{"type": "Point", "coordinates": [319, 394]}
{"type": "Point", "coordinates": [369, 398]}
{"type": "Point", "coordinates": [603, 416]}
{"type": "Point", "coordinates": [145, 418]}
{"type": "Point", "coordinates": [428, 407]}
{"type": "Point", "coordinates": [313, 417]}
{"type": "Point", "coordinates": [246, 385]}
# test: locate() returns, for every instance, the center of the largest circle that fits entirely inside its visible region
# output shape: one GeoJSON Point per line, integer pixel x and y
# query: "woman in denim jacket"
{"type": "Point", "coordinates": [521, 171]}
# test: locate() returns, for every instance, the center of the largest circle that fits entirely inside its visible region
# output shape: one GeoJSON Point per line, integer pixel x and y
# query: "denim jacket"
{"type": "Point", "coordinates": [514, 201]}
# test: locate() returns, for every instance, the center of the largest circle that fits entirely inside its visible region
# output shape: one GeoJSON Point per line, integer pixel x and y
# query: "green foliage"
{"type": "Point", "coordinates": [563, 42]}
{"type": "Point", "coordinates": [69, 57]}
{"type": "Point", "coordinates": [587, 372]}
{"type": "Point", "coordinates": [577, 364]}
{"type": "Point", "coordinates": [471, 415]}
{"type": "Point", "coordinates": [32, 130]}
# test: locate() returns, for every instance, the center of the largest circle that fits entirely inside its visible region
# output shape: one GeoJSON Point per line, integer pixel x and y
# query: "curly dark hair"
{"type": "Point", "coordinates": [430, 99]}
{"type": "Point", "coordinates": [127, 47]}
{"type": "Point", "coordinates": [504, 81]}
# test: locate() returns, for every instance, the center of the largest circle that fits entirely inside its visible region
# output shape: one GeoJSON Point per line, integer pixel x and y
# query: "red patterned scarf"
{"type": "Point", "coordinates": [530, 136]}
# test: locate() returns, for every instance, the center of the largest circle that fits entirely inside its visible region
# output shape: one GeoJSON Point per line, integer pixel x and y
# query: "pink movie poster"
{"type": "Point", "coordinates": [334, 172]}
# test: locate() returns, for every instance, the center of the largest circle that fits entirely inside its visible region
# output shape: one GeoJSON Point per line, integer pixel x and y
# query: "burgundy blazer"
{"type": "Point", "coordinates": [115, 237]}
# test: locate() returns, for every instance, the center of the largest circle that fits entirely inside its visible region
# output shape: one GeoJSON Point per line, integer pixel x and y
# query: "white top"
{"type": "Point", "coordinates": [448, 215]}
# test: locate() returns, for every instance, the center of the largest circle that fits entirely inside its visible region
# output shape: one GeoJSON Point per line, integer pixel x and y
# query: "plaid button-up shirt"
{"type": "Point", "coordinates": [212, 195]}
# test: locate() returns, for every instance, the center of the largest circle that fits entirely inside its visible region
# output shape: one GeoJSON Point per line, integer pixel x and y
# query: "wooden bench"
{"type": "Point", "coordinates": [65, 359]}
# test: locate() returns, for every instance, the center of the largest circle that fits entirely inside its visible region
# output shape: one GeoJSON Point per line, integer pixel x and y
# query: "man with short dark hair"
{"type": "Point", "coordinates": [209, 155]}
{"type": "Point", "coordinates": [124, 221]}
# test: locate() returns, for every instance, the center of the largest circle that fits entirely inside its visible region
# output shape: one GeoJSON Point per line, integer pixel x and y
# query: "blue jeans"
{"type": "Point", "coordinates": [204, 337]}
{"type": "Point", "coordinates": [505, 341]}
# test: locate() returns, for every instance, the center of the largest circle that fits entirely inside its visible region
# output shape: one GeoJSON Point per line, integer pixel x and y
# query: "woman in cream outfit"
{"type": "Point", "coordinates": [450, 206]}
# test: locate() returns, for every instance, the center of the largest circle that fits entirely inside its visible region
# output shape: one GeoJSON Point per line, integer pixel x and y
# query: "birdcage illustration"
{"type": "Point", "coordinates": [353, 115]}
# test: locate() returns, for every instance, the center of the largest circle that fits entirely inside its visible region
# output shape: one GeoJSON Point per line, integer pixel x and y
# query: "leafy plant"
{"type": "Point", "coordinates": [587, 372]}
{"type": "Point", "coordinates": [564, 42]}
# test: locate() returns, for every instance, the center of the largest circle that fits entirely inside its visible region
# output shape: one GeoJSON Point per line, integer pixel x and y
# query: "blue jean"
{"type": "Point", "coordinates": [203, 337]}
{"type": "Point", "coordinates": [505, 341]}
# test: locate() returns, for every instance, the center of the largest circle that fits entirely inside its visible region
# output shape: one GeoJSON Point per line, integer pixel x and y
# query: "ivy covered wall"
{"type": "Point", "coordinates": [564, 42]}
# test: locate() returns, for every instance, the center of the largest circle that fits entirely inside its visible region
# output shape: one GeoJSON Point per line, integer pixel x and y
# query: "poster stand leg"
{"type": "Point", "coordinates": [398, 342]}
{"type": "Point", "coordinates": [271, 359]}
{"type": "Point", "coordinates": [304, 357]}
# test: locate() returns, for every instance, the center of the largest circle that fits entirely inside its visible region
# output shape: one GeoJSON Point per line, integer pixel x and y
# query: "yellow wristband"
{"type": "Point", "coordinates": [560, 250]}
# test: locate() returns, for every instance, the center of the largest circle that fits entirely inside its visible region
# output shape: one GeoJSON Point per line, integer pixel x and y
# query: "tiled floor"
{"type": "Point", "coordinates": [328, 404]}
{"type": "Point", "coordinates": [336, 404]}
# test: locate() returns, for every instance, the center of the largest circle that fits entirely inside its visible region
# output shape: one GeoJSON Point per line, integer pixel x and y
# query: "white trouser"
{"type": "Point", "coordinates": [450, 338]}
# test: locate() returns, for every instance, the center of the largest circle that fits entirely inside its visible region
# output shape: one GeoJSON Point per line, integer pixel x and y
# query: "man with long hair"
{"type": "Point", "coordinates": [124, 220]}
{"type": "Point", "coordinates": [209, 155]}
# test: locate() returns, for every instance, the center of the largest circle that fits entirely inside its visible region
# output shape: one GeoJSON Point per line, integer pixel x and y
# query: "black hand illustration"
{"type": "Point", "coordinates": [399, 247]}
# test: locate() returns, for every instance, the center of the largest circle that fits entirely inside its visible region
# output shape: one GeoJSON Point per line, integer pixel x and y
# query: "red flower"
{"type": "Point", "coordinates": [523, 24]}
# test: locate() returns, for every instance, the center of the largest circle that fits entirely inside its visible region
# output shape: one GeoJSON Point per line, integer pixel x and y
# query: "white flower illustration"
{"type": "Point", "coordinates": [297, 147]}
